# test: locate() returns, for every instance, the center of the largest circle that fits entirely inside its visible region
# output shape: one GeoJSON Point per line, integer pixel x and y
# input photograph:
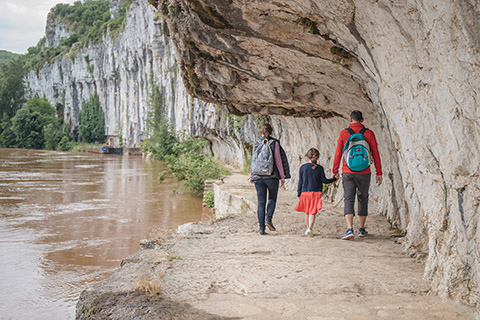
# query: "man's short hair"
{"type": "Point", "coordinates": [356, 115]}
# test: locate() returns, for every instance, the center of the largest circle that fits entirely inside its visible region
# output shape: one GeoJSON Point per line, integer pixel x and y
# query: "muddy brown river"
{"type": "Point", "coordinates": [67, 220]}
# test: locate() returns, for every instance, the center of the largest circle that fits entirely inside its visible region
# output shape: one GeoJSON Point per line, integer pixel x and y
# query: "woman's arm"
{"type": "Point", "coordinates": [278, 160]}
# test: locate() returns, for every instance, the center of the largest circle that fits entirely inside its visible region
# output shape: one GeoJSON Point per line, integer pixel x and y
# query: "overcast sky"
{"type": "Point", "coordinates": [22, 22]}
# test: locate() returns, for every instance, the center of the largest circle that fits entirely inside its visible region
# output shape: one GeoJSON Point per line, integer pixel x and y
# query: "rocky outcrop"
{"type": "Point", "coordinates": [55, 31]}
{"type": "Point", "coordinates": [411, 67]}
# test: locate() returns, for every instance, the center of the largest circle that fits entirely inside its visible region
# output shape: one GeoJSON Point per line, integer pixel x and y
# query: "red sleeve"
{"type": "Point", "coordinates": [338, 153]}
{"type": "Point", "coordinates": [372, 142]}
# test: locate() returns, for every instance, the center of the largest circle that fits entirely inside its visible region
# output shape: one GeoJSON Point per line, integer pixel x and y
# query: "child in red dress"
{"type": "Point", "coordinates": [310, 187]}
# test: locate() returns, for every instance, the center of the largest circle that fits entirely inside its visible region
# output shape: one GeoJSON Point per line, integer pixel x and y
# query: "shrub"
{"type": "Point", "coordinates": [189, 163]}
{"type": "Point", "coordinates": [161, 176]}
{"type": "Point", "coordinates": [184, 157]}
{"type": "Point", "coordinates": [65, 144]}
{"type": "Point", "coordinates": [209, 199]}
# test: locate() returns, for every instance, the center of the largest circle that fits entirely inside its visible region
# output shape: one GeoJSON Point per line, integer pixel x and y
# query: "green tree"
{"type": "Point", "coordinates": [8, 139]}
{"type": "Point", "coordinates": [11, 87]}
{"type": "Point", "coordinates": [161, 144]}
{"type": "Point", "coordinates": [157, 108]}
{"type": "Point", "coordinates": [29, 122]}
{"type": "Point", "coordinates": [52, 135]}
{"type": "Point", "coordinates": [91, 120]}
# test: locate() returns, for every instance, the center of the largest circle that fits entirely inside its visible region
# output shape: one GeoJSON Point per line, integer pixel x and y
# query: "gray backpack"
{"type": "Point", "coordinates": [262, 158]}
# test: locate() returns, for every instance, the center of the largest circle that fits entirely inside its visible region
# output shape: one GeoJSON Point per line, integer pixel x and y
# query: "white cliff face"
{"type": "Point", "coordinates": [428, 56]}
{"type": "Point", "coordinates": [55, 31]}
{"type": "Point", "coordinates": [410, 67]}
{"type": "Point", "coordinates": [118, 70]}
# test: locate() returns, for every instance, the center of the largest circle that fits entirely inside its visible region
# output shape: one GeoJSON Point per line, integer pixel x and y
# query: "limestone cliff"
{"type": "Point", "coordinates": [410, 66]}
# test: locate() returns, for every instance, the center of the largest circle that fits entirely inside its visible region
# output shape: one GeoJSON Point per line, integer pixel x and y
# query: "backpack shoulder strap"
{"type": "Point", "coordinates": [363, 130]}
{"type": "Point", "coordinates": [350, 131]}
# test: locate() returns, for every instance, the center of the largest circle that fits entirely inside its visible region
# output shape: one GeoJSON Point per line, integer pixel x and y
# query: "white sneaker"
{"type": "Point", "coordinates": [309, 233]}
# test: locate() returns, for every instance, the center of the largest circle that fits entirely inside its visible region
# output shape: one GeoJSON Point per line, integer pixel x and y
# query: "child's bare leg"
{"type": "Point", "coordinates": [306, 220]}
{"type": "Point", "coordinates": [311, 220]}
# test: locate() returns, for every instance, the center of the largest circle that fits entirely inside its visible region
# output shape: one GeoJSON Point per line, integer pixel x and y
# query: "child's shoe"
{"type": "Point", "coordinates": [309, 233]}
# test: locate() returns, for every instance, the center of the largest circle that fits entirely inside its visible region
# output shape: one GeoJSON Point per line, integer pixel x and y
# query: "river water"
{"type": "Point", "coordinates": [68, 219]}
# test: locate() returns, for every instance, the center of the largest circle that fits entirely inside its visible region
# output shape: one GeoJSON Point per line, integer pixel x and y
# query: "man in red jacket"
{"type": "Point", "coordinates": [356, 183]}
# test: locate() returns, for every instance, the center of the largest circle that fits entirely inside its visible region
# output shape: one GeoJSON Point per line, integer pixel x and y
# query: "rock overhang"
{"type": "Point", "coordinates": [269, 57]}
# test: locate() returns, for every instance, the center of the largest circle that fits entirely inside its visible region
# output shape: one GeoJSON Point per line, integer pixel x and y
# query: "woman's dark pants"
{"type": "Point", "coordinates": [262, 186]}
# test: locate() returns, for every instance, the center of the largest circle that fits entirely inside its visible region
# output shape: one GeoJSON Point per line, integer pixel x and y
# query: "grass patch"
{"type": "Point", "coordinates": [149, 285]}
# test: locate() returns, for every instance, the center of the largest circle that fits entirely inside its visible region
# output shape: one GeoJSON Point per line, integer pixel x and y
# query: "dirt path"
{"type": "Point", "coordinates": [228, 269]}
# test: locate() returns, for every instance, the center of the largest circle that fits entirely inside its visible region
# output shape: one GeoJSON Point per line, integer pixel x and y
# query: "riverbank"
{"type": "Point", "coordinates": [225, 269]}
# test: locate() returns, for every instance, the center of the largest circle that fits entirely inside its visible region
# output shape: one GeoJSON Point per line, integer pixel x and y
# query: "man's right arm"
{"type": "Point", "coordinates": [338, 155]}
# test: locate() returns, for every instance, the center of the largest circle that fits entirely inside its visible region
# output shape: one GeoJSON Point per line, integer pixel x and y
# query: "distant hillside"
{"type": "Point", "coordinates": [6, 56]}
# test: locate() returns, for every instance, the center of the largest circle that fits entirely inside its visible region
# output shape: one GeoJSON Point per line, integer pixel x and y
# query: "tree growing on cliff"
{"type": "Point", "coordinates": [29, 123]}
{"type": "Point", "coordinates": [92, 120]}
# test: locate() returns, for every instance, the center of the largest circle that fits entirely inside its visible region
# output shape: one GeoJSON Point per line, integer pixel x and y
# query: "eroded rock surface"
{"type": "Point", "coordinates": [410, 66]}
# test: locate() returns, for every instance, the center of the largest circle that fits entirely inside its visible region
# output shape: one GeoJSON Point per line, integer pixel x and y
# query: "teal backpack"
{"type": "Point", "coordinates": [356, 152]}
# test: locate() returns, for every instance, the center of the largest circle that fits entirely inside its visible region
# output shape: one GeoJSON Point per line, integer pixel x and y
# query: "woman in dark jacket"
{"type": "Point", "coordinates": [269, 184]}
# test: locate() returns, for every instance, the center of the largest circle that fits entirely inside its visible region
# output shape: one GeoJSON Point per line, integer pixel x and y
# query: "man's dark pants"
{"type": "Point", "coordinates": [356, 184]}
{"type": "Point", "coordinates": [262, 186]}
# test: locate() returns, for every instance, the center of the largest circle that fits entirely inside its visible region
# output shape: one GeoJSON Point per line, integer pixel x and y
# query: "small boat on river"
{"type": "Point", "coordinates": [112, 150]}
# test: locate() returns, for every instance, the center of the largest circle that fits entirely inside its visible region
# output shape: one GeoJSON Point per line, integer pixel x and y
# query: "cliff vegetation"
{"type": "Point", "coordinates": [188, 158]}
{"type": "Point", "coordinates": [6, 56]}
{"type": "Point", "coordinates": [85, 23]}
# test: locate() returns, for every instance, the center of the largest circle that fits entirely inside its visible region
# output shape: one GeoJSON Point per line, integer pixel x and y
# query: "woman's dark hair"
{"type": "Point", "coordinates": [266, 130]}
{"type": "Point", "coordinates": [356, 115]}
{"type": "Point", "coordinates": [313, 155]}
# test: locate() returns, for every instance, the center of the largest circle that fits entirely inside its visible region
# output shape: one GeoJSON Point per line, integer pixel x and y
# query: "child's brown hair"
{"type": "Point", "coordinates": [313, 155]}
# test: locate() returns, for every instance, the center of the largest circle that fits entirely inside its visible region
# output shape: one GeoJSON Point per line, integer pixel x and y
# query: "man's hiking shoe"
{"type": "Point", "coordinates": [362, 232]}
{"type": "Point", "coordinates": [261, 231]}
{"type": "Point", "coordinates": [309, 233]}
{"type": "Point", "coordinates": [270, 226]}
{"type": "Point", "coordinates": [348, 235]}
